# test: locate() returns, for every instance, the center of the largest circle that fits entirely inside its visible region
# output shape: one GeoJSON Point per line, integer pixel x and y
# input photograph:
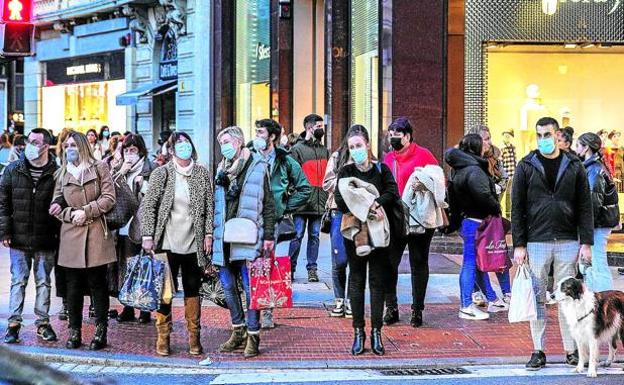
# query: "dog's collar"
{"type": "Point", "coordinates": [585, 316]}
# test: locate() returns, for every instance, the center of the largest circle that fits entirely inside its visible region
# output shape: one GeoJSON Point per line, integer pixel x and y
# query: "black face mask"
{"type": "Point", "coordinates": [396, 144]}
{"type": "Point", "coordinates": [319, 133]}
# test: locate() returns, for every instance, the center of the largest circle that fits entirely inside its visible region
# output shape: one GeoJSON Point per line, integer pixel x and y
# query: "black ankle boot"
{"type": "Point", "coordinates": [417, 319]}
{"type": "Point", "coordinates": [359, 338]}
{"type": "Point", "coordinates": [376, 343]}
{"type": "Point", "coordinates": [75, 339]}
{"type": "Point", "coordinates": [391, 316]}
{"type": "Point", "coordinates": [145, 317]}
{"type": "Point", "coordinates": [126, 315]}
{"type": "Point", "coordinates": [99, 339]}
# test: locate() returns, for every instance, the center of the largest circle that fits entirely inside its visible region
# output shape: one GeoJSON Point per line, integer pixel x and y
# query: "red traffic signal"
{"type": "Point", "coordinates": [16, 11]}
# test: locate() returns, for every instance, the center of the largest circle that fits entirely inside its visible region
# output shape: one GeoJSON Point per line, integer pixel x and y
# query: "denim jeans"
{"type": "Point", "coordinates": [469, 275]}
{"type": "Point", "coordinates": [314, 229]}
{"type": "Point", "coordinates": [229, 274]}
{"type": "Point", "coordinates": [21, 264]}
{"type": "Point", "coordinates": [504, 281]}
{"type": "Point", "coordinates": [600, 278]}
{"type": "Point", "coordinates": [339, 256]}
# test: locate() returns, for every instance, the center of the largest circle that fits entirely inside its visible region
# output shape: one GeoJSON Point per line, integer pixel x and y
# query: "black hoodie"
{"type": "Point", "coordinates": [473, 189]}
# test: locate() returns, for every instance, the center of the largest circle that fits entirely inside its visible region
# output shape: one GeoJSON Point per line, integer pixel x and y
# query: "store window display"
{"type": "Point", "coordinates": [508, 156]}
{"type": "Point", "coordinates": [618, 158]}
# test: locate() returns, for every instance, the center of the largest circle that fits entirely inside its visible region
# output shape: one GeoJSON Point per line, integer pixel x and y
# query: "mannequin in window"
{"type": "Point", "coordinates": [509, 164]}
{"type": "Point", "coordinates": [618, 158]}
{"type": "Point", "coordinates": [608, 155]}
{"type": "Point", "coordinates": [531, 111]}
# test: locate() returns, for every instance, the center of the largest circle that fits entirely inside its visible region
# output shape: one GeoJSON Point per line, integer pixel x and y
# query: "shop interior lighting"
{"type": "Point", "coordinates": [570, 45]}
{"type": "Point", "coordinates": [549, 7]}
{"type": "Point", "coordinates": [587, 45]}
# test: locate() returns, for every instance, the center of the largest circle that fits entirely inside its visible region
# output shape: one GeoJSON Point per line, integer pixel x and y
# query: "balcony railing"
{"type": "Point", "coordinates": [49, 9]}
{"type": "Point", "coordinates": [43, 7]}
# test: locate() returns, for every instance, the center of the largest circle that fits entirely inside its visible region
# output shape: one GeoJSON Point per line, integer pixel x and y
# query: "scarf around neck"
{"type": "Point", "coordinates": [235, 167]}
{"type": "Point", "coordinates": [75, 171]}
{"type": "Point", "coordinates": [185, 171]}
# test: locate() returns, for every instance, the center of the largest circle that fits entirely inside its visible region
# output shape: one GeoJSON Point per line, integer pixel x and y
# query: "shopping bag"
{"type": "Point", "coordinates": [143, 286]}
{"type": "Point", "coordinates": [270, 282]}
{"type": "Point", "coordinates": [492, 245]}
{"type": "Point", "coordinates": [523, 305]}
{"type": "Point", "coordinates": [169, 285]}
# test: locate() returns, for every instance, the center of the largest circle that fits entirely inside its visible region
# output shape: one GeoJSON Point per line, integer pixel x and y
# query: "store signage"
{"type": "Point", "coordinates": [169, 71]}
{"type": "Point", "coordinates": [616, 3]}
{"type": "Point", "coordinates": [262, 51]}
{"type": "Point", "coordinates": [93, 68]}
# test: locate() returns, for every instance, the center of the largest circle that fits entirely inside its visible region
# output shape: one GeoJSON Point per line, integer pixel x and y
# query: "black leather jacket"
{"type": "Point", "coordinates": [603, 192]}
{"type": "Point", "coordinates": [540, 214]}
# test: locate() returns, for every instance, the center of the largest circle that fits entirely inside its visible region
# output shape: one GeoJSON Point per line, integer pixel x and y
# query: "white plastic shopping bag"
{"type": "Point", "coordinates": [523, 305]}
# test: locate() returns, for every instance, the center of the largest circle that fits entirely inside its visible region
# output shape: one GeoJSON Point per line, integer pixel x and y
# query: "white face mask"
{"type": "Point", "coordinates": [132, 158]}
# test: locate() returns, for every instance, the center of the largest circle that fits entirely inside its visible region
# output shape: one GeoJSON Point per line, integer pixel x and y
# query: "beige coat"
{"type": "Point", "coordinates": [90, 245]}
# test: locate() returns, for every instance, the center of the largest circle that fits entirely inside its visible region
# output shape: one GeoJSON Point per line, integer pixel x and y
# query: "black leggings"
{"type": "Point", "coordinates": [378, 266]}
{"type": "Point", "coordinates": [191, 276]}
{"type": "Point", "coordinates": [418, 246]}
{"type": "Point", "coordinates": [95, 279]}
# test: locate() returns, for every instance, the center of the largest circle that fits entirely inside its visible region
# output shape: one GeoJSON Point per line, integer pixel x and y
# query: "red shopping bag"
{"type": "Point", "coordinates": [491, 245]}
{"type": "Point", "coordinates": [270, 282]}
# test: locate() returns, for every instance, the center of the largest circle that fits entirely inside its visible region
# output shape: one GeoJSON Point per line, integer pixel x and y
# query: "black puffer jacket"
{"type": "Point", "coordinates": [604, 194]}
{"type": "Point", "coordinates": [539, 214]}
{"type": "Point", "coordinates": [473, 191]}
{"type": "Point", "coordinates": [24, 217]}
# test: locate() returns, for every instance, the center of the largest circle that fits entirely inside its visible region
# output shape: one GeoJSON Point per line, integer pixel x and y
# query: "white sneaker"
{"type": "Point", "coordinates": [338, 310]}
{"type": "Point", "coordinates": [473, 313]}
{"type": "Point", "coordinates": [478, 299]}
{"type": "Point", "coordinates": [507, 298]}
{"type": "Point", "coordinates": [347, 308]}
{"type": "Point", "coordinates": [498, 305]}
{"type": "Point", "coordinates": [549, 300]}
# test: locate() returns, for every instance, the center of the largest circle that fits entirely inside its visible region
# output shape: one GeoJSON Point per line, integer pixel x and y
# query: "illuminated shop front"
{"type": "Point", "coordinates": [528, 59]}
{"type": "Point", "coordinates": [79, 93]}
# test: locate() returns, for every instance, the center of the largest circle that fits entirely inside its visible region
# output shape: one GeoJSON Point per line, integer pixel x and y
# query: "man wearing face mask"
{"type": "Point", "coordinates": [405, 157]}
{"type": "Point", "coordinates": [312, 155]}
{"type": "Point", "coordinates": [31, 233]}
{"type": "Point", "coordinates": [552, 223]}
{"type": "Point", "coordinates": [290, 187]}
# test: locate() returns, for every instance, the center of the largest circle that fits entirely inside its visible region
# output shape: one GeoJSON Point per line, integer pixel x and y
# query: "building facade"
{"type": "Point", "coordinates": [140, 66]}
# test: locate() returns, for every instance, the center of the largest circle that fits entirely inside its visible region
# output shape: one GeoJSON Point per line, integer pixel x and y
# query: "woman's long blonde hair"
{"type": "Point", "coordinates": [85, 155]}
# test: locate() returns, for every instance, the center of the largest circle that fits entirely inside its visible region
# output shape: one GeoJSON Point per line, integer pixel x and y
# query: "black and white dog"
{"type": "Point", "coordinates": [593, 318]}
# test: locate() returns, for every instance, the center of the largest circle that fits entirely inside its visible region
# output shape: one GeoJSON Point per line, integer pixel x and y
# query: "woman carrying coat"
{"type": "Point", "coordinates": [177, 219]}
{"type": "Point", "coordinates": [84, 193]}
{"type": "Point", "coordinates": [134, 170]}
{"type": "Point", "coordinates": [473, 195]}
{"type": "Point", "coordinates": [606, 210]}
{"type": "Point", "coordinates": [378, 261]}
{"type": "Point", "coordinates": [244, 208]}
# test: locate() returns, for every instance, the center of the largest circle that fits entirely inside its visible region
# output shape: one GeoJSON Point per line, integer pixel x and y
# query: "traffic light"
{"type": "Point", "coordinates": [17, 31]}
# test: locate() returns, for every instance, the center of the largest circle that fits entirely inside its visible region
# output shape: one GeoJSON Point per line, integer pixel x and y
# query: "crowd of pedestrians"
{"type": "Point", "coordinates": [54, 201]}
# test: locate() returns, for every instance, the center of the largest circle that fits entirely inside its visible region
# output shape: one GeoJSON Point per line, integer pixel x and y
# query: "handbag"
{"type": "Point", "coordinates": [168, 285]}
{"type": "Point", "coordinates": [523, 304]}
{"type": "Point", "coordinates": [134, 230]}
{"type": "Point", "coordinates": [126, 204]}
{"type": "Point", "coordinates": [326, 222]}
{"type": "Point", "coordinates": [241, 230]}
{"type": "Point", "coordinates": [401, 219]}
{"type": "Point", "coordinates": [491, 244]}
{"type": "Point", "coordinates": [270, 282]}
{"type": "Point", "coordinates": [143, 286]}
{"type": "Point", "coordinates": [286, 229]}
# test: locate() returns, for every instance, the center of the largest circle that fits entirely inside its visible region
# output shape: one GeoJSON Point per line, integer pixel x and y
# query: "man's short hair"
{"type": "Point", "coordinates": [271, 126]}
{"type": "Point", "coordinates": [548, 121]}
{"type": "Point", "coordinates": [311, 120]}
{"type": "Point", "coordinates": [47, 138]}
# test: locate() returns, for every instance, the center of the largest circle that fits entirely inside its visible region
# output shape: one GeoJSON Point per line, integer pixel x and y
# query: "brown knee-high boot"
{"type": "Point", "coordinates": [192, 313]}
{"type": "Point", "coordinates": [163, 327]}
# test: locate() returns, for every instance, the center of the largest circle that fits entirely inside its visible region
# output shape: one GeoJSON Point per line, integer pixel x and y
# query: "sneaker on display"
{"type": "Point", "coordinates": [339, 308]}
{"type": "Point", "coordinates": [473, 313]}
{"type": "Point", "coordinates": [478, 299]}
{"type": "Point", "coordinates": [498, 305]}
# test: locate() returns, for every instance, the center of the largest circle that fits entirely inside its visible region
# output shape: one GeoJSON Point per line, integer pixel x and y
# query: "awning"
{"type": "Point", "coordinates": [132, 97]}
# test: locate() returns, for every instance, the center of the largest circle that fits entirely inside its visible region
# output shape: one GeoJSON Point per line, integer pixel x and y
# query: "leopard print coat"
{"type": "Point", "coordinates": [158, 202]}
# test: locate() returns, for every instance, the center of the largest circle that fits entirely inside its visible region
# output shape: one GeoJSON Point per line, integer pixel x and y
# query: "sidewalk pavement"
{"type": "Point", "coordinates": [306, 336]}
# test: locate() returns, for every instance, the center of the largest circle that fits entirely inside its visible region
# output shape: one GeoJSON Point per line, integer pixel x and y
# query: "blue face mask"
{"type": "Point", "coordinates": [359, 155]}
{"type": "Point", "coordinates": [184, 150]}
{"type": "Point", "coordinates": [228, 151]}
{"type": "Point", "coordinates": [106, 134]}
{"type": "Point", "coordinates": [546, 146]}
{"type": "Point", "coordinates": [259, 144]}
{"type": "Point", "coordinates": [72, 154]}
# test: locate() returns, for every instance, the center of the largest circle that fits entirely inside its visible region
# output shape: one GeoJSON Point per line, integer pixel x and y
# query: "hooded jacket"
{"type": "Point", "coordinates": [474, 190]}
{"type": "Point", "coordinates": [24, 206]}
{"type": "Point", "coordinates": [606, 213]}
{"type": "Point", "coordinates": [312, 155]}
{"type": "Point", "coordinates": [539, 214]}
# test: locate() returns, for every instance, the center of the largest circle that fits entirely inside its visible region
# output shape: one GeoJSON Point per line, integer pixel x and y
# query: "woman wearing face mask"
{"type": "Point", "coordinates": [94, 145]}
{"type": "Point", "coordinates": [84, 193]}
{"type": "Point", "coordinates": [19, 143]}
{"type": "Point", "coordinates": [339, 159]}
{"type": "Point", "coordinates": [134, 170]}
{"type": "Point", "coordinates": [476, 200]}
{"type": "Point", "coordinates": [104, 137]}
{"type": "Point", "coordinates": [405, 157]}
{"type": "Point", "coordinates": [177, 219]}
{"type": "Point", "coordinates": [606, 210]}
{"type": "Point", "coordinates": [377, 262]}
{"type": "Point", "coordinates": [242, 193]}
